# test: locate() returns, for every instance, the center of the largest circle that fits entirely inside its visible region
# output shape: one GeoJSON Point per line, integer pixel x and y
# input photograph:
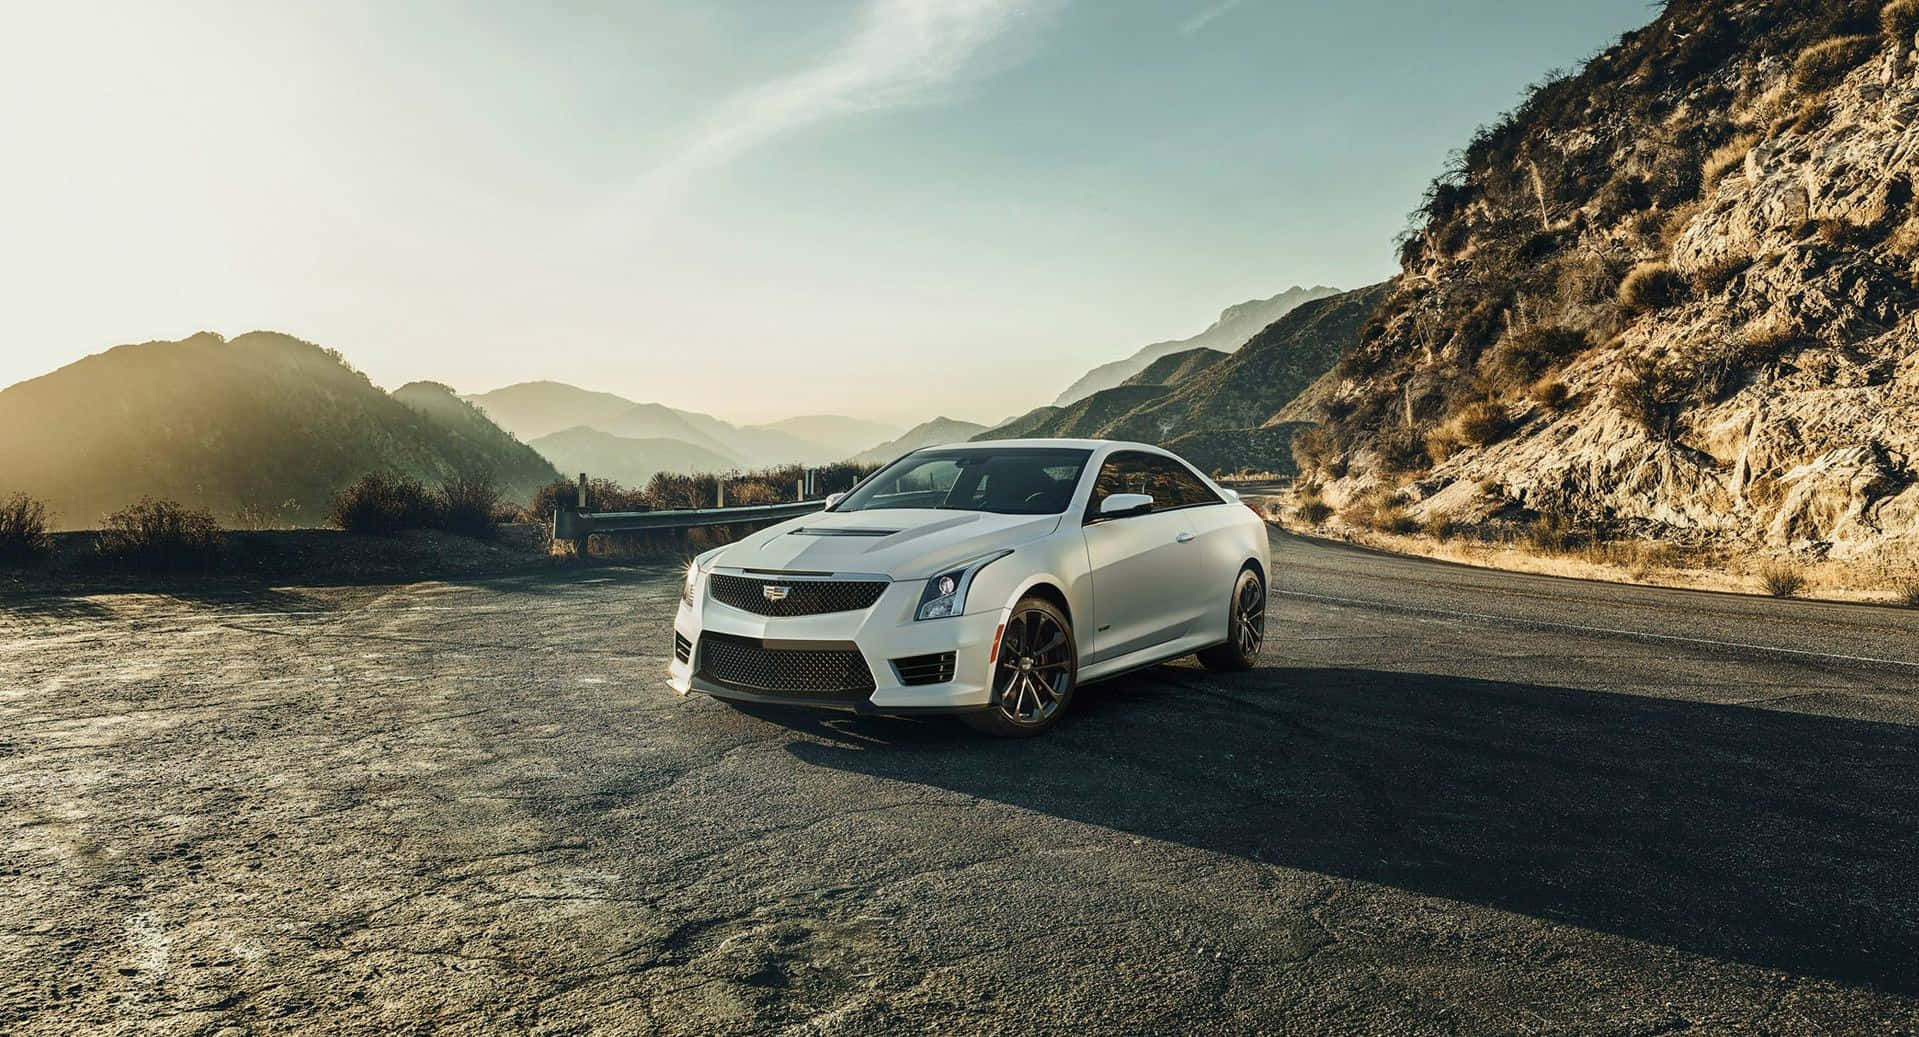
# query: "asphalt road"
{"type": "Point", "coordinates": [1450, 801]}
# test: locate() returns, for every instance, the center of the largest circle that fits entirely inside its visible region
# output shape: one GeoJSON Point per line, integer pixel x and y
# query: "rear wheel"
{"type": "Point", "coordinates": [1033, 674]}
{"type": "Point", "coordinates": [1245, 627]}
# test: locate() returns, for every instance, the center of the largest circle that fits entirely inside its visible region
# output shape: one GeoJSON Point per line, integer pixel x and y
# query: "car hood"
{"type": "Point", "coordinates": [903, 544]}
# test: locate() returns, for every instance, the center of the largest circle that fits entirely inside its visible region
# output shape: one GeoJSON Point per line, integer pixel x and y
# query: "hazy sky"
{"type": "Point", "coordinates": [754, 208]}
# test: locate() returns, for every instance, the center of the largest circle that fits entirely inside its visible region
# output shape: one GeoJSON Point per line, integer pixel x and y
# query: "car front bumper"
{"type": "Point", "coordinates": [881, 634]}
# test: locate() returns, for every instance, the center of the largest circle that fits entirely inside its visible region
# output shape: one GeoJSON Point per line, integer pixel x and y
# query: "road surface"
{"type": "Point", "coordinates": [1450, 801]}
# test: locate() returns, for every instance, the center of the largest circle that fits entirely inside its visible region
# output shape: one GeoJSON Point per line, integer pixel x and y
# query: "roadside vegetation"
{"type": "Point", "coordinates": [23, 530]}
{"type": "Point", "coordinates": [161, 536]}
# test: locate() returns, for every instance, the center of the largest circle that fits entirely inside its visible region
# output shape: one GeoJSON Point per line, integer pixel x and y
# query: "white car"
{"type": "Point", "coordinates": [984, 579]}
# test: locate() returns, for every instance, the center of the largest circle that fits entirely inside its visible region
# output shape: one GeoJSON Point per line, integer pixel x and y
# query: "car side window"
{"type": "Point", "coordinates": [1122, 473]}
{"type": "Point", "coordinates": [1175, 485]}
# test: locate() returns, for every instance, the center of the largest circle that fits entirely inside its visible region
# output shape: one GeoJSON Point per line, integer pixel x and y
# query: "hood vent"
{"type": "Point", "coordinates": [820, 531]}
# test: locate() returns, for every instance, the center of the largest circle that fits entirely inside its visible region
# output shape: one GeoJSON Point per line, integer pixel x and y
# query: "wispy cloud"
{"type": "Point", "coordinates": [902, 52]}
{"type": "Point", "coordinates": [1207, 17]}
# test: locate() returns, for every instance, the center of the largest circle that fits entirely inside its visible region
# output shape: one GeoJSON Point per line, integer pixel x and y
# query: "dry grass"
{"type": "Point", "coordinates": [1783, 579]}
{"type": "Point", "coordinates": [1440, 526]}
{"type": "Point", "coordinates": [1905, 591]}
{"type": "Point", "coordinates": [1727, 155]}
{"type": "Point", "coordinates": [1551, 393]}
{"type": "Point", "coordinates": [1312, 509]}
{"type": "Point", "coordinates": [1899, 21]}
{"type": "Point", "coordinates": [1827, 62]}
{"type": "Point", "coordinates": [1651, 287]}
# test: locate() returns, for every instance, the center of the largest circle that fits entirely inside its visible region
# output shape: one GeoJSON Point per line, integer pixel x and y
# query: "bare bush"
{"type": "Point", "coordinates": [23, 529]}
{"type": "Point", "coordinates": [161, 536]}
{"type": "Point", "coordinates": [466, 505]}
{"type": "Point", "coordinates": [1783, 579]}
{"type": "Point", "coordinates": [1899, 21]}
{"type": "Point", "coordinates": [383, 504]}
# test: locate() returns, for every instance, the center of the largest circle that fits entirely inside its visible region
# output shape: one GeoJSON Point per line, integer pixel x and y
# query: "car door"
{"type": "Point", "coordinates": [1208, 531]}
{"type": "Point", "coordinates": [1142, 594]}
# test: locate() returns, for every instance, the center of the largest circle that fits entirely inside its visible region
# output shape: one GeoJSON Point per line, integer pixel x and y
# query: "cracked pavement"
{"type": "Point", "coordinates": [1450, 801]}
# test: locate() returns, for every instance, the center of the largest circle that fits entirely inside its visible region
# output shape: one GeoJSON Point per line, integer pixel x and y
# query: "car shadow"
{"type": "Point", "coordinates": [1778, 839]}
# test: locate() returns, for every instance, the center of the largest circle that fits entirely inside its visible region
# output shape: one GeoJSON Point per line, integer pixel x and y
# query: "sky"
{"type": "Point", "coordinates": [752, 208]}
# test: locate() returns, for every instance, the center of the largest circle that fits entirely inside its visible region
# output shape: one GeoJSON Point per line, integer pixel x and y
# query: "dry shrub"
{"type": "Point", "coordinates": [1312, 509]}
{"type": "Point", "coordinates": [382, 503]}
{"type": "Point", "coordinates": [1906, 591]}
{"type": "Point", "coordinates": [1825, 63]}
{"type": "Point", "coordinates": [1651, 287]}
{"type": "Point", "coordinates": [1525, 355]}
{"type": "Point", "coordinates": [1441, 526]}
{"type": "Point", "coordinates": [1403, 451]}
{"type": "Point", "coordinates": [161, 536]}
{"type": "Point", "coordinates": [468, 505]}
{"type": "Point", "coordinates": [1783, 579]}
{"type": "Point", "coordinates": [1899, 21]}
{"type": "Point", "coordinates": [1551, 393]}
{"type": "Point", "coordinates": [1380, 510]}
{"type": "Point", "coordinates": [1727, 155]}
{"type": "Point", "coordinates": [1482, 423]}
{"type": "Point", "coordinates": [1552, 532]}
{"type": "Point", "coordinates": [23, 529]}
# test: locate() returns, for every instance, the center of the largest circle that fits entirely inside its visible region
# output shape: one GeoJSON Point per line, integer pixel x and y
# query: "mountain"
{"type": "Point", "coordinates": [1174, 368]}
{"type": "Point", "coordinates": [1218, 410]}
{"type": "Point", "coordinates": [534, 410]}
{"type": "Point", "coordinates": [1671, 293]}
{"type": "Point", "coordinates": [252, 423]}
{"type": "Point", "coordinates": [517, 466]}
{"type": "Point", "coordinates": [630, 462]}
{"type": "Point", "coordinates": [1235, 325]}
{"type": "Point", "coordinates": [838, 435]}
{"type": "Point", "coordinates": [1025, 426]}
{"type": "Point", "coordinates": [530, 410]}
{"type": "Point", "coordinates": [657, 421]}
{"type": "Point", "coordinates": [932, 433]}
{"type": "Point", "coordinates": [1250, 386]}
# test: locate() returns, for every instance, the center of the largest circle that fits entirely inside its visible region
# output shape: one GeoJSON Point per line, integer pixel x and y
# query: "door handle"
{"type": "Point", "coordinates": [1183, 538]}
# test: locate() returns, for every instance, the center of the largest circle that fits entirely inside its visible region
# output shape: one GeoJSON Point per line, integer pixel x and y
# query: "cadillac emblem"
{"type": "Point", "coordinates": [775, 593]}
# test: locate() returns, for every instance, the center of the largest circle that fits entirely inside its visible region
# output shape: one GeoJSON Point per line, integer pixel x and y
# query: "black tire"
{"type": "Point", "coordinates": [1034, 674]}
{"type": "Point", "coordinates": [1245, 627]}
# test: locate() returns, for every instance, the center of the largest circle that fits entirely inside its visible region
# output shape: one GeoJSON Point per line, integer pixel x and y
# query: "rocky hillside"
{"type": "Point", "coordinates": [1672, 293]}
{"type": "Point", "coordinates": [1228, 397]}
{"type": "Point", "coordinates": [1234, 326]}
{"type": "Point", "coordinates": [264, 425]}
{"type": "Point", "coordinates": [1174, 368]}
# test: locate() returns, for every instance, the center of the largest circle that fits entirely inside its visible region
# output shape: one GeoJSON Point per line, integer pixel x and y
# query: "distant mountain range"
{"type": "Point", "coordinates": [261, 422]}
{"type": "Point", "coordinates": [628, 461]}
{"type": "Point", "coordinates": [1234, 326]}
{"type": "Point", "coordinates": [536, 411]}
{"type": "Point", "coordinates": [930, 433]}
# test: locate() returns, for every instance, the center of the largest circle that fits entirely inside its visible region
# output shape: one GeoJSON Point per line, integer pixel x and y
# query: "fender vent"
{"type": "Point", "coordinates": [925, 669]}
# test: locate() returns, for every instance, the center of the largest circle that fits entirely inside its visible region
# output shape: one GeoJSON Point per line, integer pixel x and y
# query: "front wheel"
{"type": "Point", "coordinates": [1033, 674]}
{"type": "Point", "coordinates": [1245, 627]}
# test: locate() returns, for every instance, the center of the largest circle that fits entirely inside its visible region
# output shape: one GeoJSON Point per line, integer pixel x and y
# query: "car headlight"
{"type": "Point", "coordinates": [945, 593]}
{"type": "Point", "coordinates": [690, 589]}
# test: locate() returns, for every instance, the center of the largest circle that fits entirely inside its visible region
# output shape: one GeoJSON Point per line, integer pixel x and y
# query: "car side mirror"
{"type": "Point", "coordinates": [834, 498]}
{"type": "Point", "coordinates": [1120, 505]}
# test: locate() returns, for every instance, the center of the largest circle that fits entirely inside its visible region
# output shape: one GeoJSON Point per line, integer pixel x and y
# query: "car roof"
{"type": "Point", "coordinates": [1057, 444]}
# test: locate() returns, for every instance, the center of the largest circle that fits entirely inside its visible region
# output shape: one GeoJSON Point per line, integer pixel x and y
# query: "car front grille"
{"type": "Point", "coordinates": [925, 669]}
{"type": "Point", "coordinates": [682, 648]}
{"type": "Point", "coordinates": [795, 597]}
{"type": "Point", "coordinates": [829, 669]}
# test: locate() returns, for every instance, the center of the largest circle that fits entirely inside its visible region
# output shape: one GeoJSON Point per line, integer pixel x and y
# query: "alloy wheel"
{"type": "Point", "coordinates": [1034, 673]}
{"type": "Point", "coordinates": [1249, 617]}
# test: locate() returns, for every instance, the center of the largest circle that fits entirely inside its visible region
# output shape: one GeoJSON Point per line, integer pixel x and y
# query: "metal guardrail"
{"type": "Point", "coordinates": [569, 524]}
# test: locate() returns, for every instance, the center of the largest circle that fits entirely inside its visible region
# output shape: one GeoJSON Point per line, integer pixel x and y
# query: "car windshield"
{"type": "Point", "coordinates": [1008, 481]}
